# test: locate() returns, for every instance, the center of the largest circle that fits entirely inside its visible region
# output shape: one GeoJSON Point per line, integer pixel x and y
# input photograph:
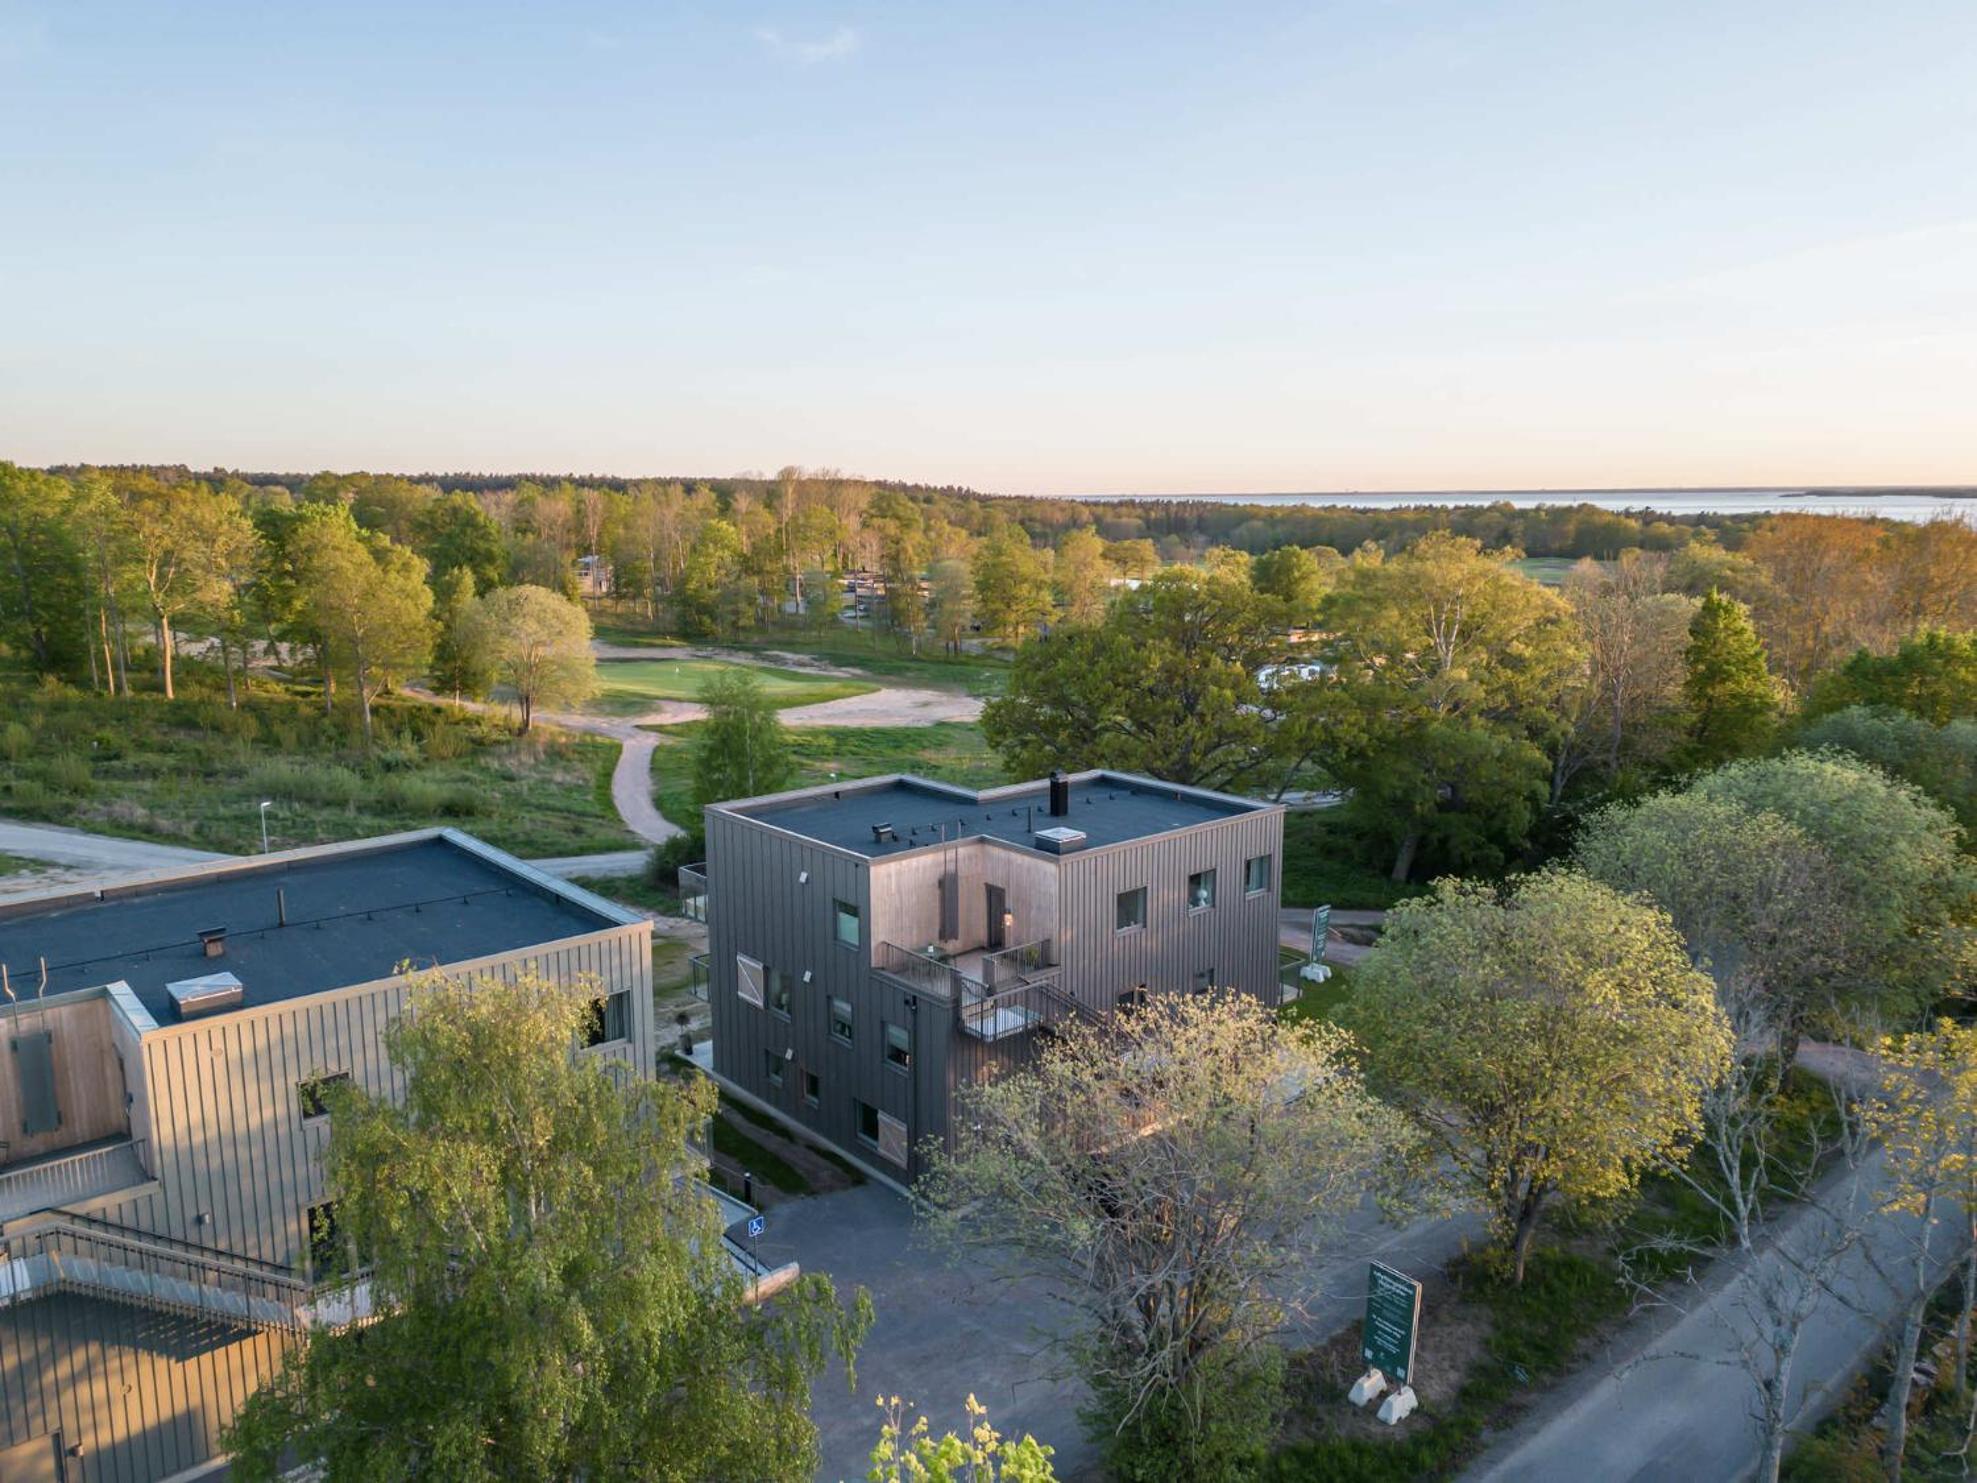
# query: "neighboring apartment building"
{"type": "Point", "coordinates": [874, 945]}
{"type": "Point", "coordinates": [161, 1126]}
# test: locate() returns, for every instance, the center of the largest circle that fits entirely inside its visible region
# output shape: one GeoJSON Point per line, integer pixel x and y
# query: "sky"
{"type": "Point", "coordinates": [1050, 248]}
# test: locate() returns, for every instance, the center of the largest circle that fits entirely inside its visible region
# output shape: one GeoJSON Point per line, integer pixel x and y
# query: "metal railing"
{"type": "Point", "coordinates": [699, 975]}
{"type": "Point", "coordinates": [693, 892]}
{"type": "Point", "coordinates": [1030, 962]}
{"type": "Point", "coordinates": [63, 1178]}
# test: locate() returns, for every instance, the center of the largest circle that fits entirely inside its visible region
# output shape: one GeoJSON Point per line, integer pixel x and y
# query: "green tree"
{"type": "Point", "coordinates": [454, 533]}
{"type": "Point", "coordinates": [742, 749]}
{"type": "Point", "coordinates": [713, 565]}
{"type": "Point", "coordinates": [553, 1296]}
{"type": "Point", "coordinates": [540, 643]}
{"type": "Point", "coordinates": [1447, 665]}
{"type": "Point", "coordinates": [953, 602]}
{"type": "Point", "coordinates": [463, 650]}
{"type": "Point", "coordinates": [1932, 675]}
{"type": "Point", "coordinates": [1296, 580]}
{"type": "Point", "coordinates": [902, 556]}
{"type": "Point", "coordinates": [910, 1453]}
{"type": "Point", "coordinates": [1910, 895]}
{"type": "Point", "coordinates": [1081, 577]}
{"type": "Point", "coordinates": [1177, 1171]}
{"type": "Point", "coordinates": [41, 601]}
{"type": "Point", "coordinates": [1732, 700]}
{"type": "Point", "coordinates": [1760, 905]}
{"type": "Point", "coordinates": [1940, 760]}
{"type": "Point", "coordinates": [187, 537]}
{"type": "Point", "coordinates": [1550, 1037]}
{"type": "Point", "coordinates": [1012, 590]}
{"type": "Point", "coordinates": [368, 597]}
{"type": "Point", "coordinates": [1165, 686]}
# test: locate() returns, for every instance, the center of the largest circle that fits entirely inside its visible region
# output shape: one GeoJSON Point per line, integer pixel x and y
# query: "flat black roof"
{"type": "Point", "coordinates": [1106, 808]}
{"type": "Point", "coordinates": [352, 918]}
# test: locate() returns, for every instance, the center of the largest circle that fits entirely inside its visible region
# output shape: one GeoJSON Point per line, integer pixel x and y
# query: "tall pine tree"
{"type": "Point", "coordinates": [1731, 696]}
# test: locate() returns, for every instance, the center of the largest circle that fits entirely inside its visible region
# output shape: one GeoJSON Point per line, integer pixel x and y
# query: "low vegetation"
{"type": "Point", "coordinates": [630, 686]}
{"type": "Point", "coordinates": [194, 771]}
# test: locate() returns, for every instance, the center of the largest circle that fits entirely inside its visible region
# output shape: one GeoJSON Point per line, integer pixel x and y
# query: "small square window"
{"type": "Point", "coordinates": [1204, 981]}
{"type": "Point", "coordinates": [1132, 999]}
{"type": "Point", "coordinates": [772, 1067]}
{"type": "Point", "coordinates": [812, 1088]}
{"type": "Point", "coordinates": [841, 1020]}
{"type": "Point", "coordinates": [847, 924]}
{"type": "Point", "coordinates": [314, 1095]}
{"type": "Point", "coordinates": [1256, 875]}
{"type": "Point", "coordinates": [610, 1019]}
{"type": "Point", "coordinates": [1130, 911]}
{"type": "Point", "coordinates": [1201, 890]}
{"type": "Point", "coordinates": [868, 1124]}
{"type": "Point", "coordinates": [899, 1046]}
{"type": "Point", "coordinates": [779, 991]}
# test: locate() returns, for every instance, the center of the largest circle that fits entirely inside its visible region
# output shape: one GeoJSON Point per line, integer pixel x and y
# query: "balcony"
{"type": "Point", "coordinates": [699, 975]}
{"type": "Point", "coordinates": [693, 892]}
{"type": "Point", "coordinates": [996, 995]}
{"type": "Point", "coordinates": [71, 1177]}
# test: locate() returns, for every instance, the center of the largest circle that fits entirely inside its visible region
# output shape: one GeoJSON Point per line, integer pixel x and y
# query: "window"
{"type": "Point", "coordinates": [1256, 875]}
{"type": "Point", "coordinates": [1201, 890]}
{"type": "Point", "coordinates": [841, 1020]}
{"type": "Point", "coordinates": [868, 1123]}
{"type": "Point", "coordinates": [847, 923]}
{"type": "Point", "coordinates": [314, 1095]}
{"type": "Point", "coordinates": [610, 1019]}
{"type": "Point", "coordinates": [748, 980]}
{"type": "Point", "coordinates": [812, 1088]}
{"type": "Point", "coordinates": [779, 992]}
{"type": "Point", "coordinates": [1130, 913]}
{"type": "Point", "coordinates": [772, 1067]}
{"type": "Point", "coordinates": [899, 1046]}
{"type": "Point", "coordinates": [1204, 981]}
{"type": "Point", "coordinates": [326, 1251]}
{"type": "Point", "coordinates": [1132, 999]}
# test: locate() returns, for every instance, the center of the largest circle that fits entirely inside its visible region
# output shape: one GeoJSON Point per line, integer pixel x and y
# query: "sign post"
{"type": "Point", "coordinates": [1386, 1342]}
{"type": "Point", "coordinates": [1321, 924]}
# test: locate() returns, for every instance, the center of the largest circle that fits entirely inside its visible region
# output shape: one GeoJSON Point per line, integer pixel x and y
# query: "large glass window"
{"type": "Point", "coordinates": [868, 1124]}
{"type": "Point", "coordinates": [841, 1020]}
{"type": "Point", "coordinates": [812, 1088]}
{"type": "Point", "coordinates": [314, 1095]}
{"type": "Point", "coordinates": [1201, 890]}
{"type": "Point", "coordinates": [610, 1019]}
{"type": "Point", "coordinates": [1256, 875]}
{"type": "Point", "coordinates": [899, 1046]}
{"type": "Point", "coordinates": [1130, 912]}
{"type": "Point", "coordinates": [847, 923]}
{"type": "Point", "coordinates": [779, 992]}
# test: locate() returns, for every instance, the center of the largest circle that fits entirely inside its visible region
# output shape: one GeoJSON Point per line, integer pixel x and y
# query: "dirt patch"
{"type": "Point", "coordinates": [1453, 1340]}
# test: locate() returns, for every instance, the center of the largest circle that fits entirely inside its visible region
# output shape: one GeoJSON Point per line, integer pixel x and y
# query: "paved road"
{"type": "Point", "coordinates": [1672, 1402]}
{"type": "Point", "coordinates": [946, 1330]}
{"type": "Point", "coordinates": [1294, 932]}
{"type": "Point", "coordinates": [75, 849]}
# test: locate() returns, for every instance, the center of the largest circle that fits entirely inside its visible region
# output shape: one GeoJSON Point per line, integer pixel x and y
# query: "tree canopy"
{"type": "Point", "coordinates": [540, 643]}
{"type": "Point", "coordinates": [742, 749]}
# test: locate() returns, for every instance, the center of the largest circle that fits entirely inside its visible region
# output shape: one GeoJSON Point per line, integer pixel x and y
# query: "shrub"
{"type": "Point", "coordinates": [323, 783]}
{"type": "Point", "coordinates": [446, 744]}
{"type": "Point", "coordinates": [428, 797]}
{"type": "Point", "coordinates": [29, 794]}
{"type": "Point", "coordinates": [67, 773]}
{"type": "Point", "coordinates": [662, 865]}
{"type": "Point", "coordinates": [15, 740]}
{"type": "Point", "coordinates": [1220, 1433]}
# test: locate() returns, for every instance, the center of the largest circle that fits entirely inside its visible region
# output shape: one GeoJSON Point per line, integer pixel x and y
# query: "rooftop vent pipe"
{"type": "Point", "coordinates": [1060, 794]}
{"type": "Point", "coordinates": [214, 941]}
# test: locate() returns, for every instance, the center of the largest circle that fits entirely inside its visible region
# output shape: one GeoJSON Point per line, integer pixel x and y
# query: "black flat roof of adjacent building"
{"type": "Point", "coordinates": [354, 915]}
{"type": "Point", "coordinates": [1107, 808]}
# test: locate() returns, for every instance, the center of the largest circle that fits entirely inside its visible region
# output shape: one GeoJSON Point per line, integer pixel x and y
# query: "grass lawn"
{"type": "Point", "coordinates": [1548, 570]}
{"type": "Point", "coordinates": [1323, 864]}
{"type": "Point", "coordinates": [630, 686]}
{"type": "Point", "coordinates": [14, 864]}
{"type": "Point", "coordinates": [740, 1149]}
{"type": "Point", "coordinates": [952, 751]}
{"type": "Point", "coordinates": [1314, 1001]}
{"type": "Point", "coordinates": [194, 771]}
{"type": "Point", "coordinates": [882, 655]}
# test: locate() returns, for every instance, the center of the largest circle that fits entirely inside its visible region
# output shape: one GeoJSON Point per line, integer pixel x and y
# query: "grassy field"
{"type": "Point", "coordinates": [1323, 865]}
{"type": "Point", "coordinates": [952, 751]}
{"type": "Point", "coordinates": [1548, 570]}
{"type": "Point", "coordinates": [630, 686]}
{"type": "Point", "coordinates": [193, 771]}
{"type": "Point", "coordinates": [881, 656]}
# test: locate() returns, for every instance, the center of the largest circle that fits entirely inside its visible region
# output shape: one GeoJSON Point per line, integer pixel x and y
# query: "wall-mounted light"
{"type": "Point", "coordinates": [803, 877]}
{"type": "Point", "coordinates": [806, 975]}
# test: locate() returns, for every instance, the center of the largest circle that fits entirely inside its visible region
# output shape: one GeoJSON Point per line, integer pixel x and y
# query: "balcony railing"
{"type": "Point", "coordinates": [693, 892]}
{"type": "Point", "coordinates": [699, 975]}
{"type": "Point", "coordinates": [75, 1174]}
{"type": "Point", "coordinates": [1016, 993]}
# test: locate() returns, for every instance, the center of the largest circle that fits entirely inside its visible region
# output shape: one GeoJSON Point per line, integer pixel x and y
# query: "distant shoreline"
{"type": "Point", "coordinates": [1549, 496]}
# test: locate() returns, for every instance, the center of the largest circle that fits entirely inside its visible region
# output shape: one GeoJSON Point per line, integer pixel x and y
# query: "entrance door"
{"type": "Point", "coordinates": [998, 925]}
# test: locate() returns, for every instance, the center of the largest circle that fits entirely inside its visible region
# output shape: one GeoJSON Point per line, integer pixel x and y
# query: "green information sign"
{"type": "Point", "coordinates": [1393, 1312]}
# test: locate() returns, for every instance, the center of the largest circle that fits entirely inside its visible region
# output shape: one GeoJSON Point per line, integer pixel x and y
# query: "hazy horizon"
{"type": "Point", "coordinates": [1358, 247]}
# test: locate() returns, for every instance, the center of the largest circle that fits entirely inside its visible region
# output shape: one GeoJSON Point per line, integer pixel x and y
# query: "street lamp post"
{"type": "Point", "coordinates": [266, 804]}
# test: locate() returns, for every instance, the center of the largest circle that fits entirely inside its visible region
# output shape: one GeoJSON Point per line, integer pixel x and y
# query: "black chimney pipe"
{"type": "Point", "coordinates": [1060, 794]}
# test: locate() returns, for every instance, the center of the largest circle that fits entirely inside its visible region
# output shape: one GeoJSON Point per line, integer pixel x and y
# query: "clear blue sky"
{"type": "Point", "coordinates": [1033, 248]}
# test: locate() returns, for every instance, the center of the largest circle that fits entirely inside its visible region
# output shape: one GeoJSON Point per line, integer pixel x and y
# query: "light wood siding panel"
{"type": "Point", "coordinates": [1237, 938]}
{"type": "Point", "coordinates": [238, 1162]}
{"type": "Point", "coordinates": [89, 1090]}
{"type": "Point", "coordinates": [145, 1394]}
